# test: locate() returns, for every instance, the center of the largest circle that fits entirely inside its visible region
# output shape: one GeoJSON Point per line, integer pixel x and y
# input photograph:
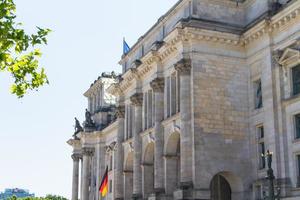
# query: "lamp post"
{"type": "Point", "coordinates": [270, 177]}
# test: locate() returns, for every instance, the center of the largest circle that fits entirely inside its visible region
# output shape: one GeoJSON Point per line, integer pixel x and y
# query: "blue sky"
{"type": "Point", "coordinates": [86, 40]}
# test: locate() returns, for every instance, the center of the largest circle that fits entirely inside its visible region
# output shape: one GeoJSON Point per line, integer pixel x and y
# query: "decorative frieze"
{"type": "Point", "coordinates": [137, 99]}
{"type": "Point", "coordinates": [158, 84]}
{"type": "Point", "coordinates": [183, 67]}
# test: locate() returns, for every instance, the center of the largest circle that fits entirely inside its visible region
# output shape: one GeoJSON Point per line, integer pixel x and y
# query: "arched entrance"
{"type": "Point", "coordinates": [128, 176]}
{"type": "Point", "coordinates": [172, 163]}
{"type": "Point", "coordinates": [148, 170]}
{"type": "Point", "coordinates": [220, 188]}
{"type": "Point", "coordinates": [226, 186]}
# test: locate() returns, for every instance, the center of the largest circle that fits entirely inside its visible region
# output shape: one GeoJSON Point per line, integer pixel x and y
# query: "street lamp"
{"type": "Point", "coordinates": [270, 177]}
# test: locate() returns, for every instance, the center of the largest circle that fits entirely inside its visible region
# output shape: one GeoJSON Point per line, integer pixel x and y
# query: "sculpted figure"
{"type": "Point", "coordinates": [78, 127]}
{"type": "Point", "coordinates": [88, 119]}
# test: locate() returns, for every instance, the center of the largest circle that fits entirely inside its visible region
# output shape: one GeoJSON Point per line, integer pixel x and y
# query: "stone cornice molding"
{"type": "Point", "coordinates": [120, 111]}
{"type": "Point", "coordinates": [183, 67]}
{"type": "Point", "coordinates": [274, 24]}
{"type": "Point", "coordinates": [137, 99]}
{"type": "Point", "coordinates": [74, 143]}
{"type": "Point", "coordinates": [179, 35]}
{"type": "Point", "coordinates": [115, 89]}
{"type": "Point", "coordinates": [289, 56]}
{"type": "Point", "coordinates": [94, 88]}
{"type": "Point", "coordinates": [158, 84]}
{"type": "Point", "coordinates": [212, 36]}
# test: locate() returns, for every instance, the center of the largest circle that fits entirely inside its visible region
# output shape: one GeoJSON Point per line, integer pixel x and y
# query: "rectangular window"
{"type": "Point", "coordinates": [178, 92]}
{"type": "Point", "coordinates": [110, 162]}
{"type": "Point", "coordinates": [168, 97]}
{"type": "Point", "coordinates": [261, 132]}
{"type": "Point", "coordinates": [258, 94]}
{"type": "Point", "coordinates": [150, 108]}
{"type": "Point", "coordinates": [110, 186]}
{"type": "Point", "coordinates": [261, 147]}
{"type": "Point", "coordinates": [145, 111]}
{"type": "Point", "coordinates": [298, 171]}
{"type": "Point", "coordinates": [296, 80]}
{"type": "Point", "coordinates": [297, 126]}
{"type": "Point", "coordinates": [173, 94]}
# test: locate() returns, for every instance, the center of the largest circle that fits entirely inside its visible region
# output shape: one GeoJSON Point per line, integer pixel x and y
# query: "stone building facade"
{"type": "Point", "coordinates": [202, 95]}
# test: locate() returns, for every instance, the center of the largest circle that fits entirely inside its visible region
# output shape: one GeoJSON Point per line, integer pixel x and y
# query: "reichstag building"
{"type": "Point", "coordinates": [202, 97]}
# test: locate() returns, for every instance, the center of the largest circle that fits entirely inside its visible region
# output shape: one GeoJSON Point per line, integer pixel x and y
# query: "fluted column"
{"type": "Point", "coordinates": [119, 190]}
{"type": "Point", "coordinates": [183, 68]}
{"type": "Point", "coordinates": [86, 159]}
{"type": "Point", "coordinates": [136, 101]}
{"type": "Point", "coordinates": [75, 179]}
{"type": "Point", "coordinates": [157, 86]}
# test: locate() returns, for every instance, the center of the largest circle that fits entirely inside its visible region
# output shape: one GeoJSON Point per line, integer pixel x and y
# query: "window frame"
{"type": "Point", "coordinates": [293, 92]}
{"type": "Point", "coordinates": [296, 117]}
{"type": "Point", "coordinates": [257, 82]}
{"type": "Point", "coordinates": [261, 146]}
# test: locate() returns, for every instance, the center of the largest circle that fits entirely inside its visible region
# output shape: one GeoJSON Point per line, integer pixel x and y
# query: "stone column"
{"type": "Point", "coordinates": [157, 86]}
{"type": "Point", "coordinates": [136, 101]}
{"type": "Point", "coordinates": [75, 179]}
{"type": "Point", "coordinates": [119, 189]}
{"type": "Point", "coordinates": [86, 158]}
{"type": "Point", "coordinates": [183, 68]}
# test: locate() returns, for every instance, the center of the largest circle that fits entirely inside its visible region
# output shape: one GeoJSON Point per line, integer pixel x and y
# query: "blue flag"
{"type": "Point", "coordinates": [126, 47]}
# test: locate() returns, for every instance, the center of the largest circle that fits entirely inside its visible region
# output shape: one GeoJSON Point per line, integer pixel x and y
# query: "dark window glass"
{"type": "Point", "coordinates": [297, 123]}
{"type": "Point", "coordinates": [298, 176]}
{"type": "Point", "coordinates": [261, 132]}
{"type": "Point", "coordinates": [296, 80]}
{"type": "Point", "coordinates": [110, 186]}
{"type": "Point", "coordinates": [258, 94]}
{"type": "Point", "coordinates": [261, 155]}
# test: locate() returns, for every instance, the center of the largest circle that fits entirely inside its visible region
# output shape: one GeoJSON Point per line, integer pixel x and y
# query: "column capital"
{"type": "Point", "coordinates": [157, 84]}
{"type": "Point", "coordinates": [137, 99]}
{"type": "Point", "coordinates": [88, 151]}
{"type": "Point", "coordinates": [183, 67]}
{"type": "Point", "coordinates": [76, 156]}
{"type": "Point", "coordinates": [120, 111]}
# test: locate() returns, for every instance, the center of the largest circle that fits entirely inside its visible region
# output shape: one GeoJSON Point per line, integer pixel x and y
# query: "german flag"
{"type": "Point", "coordinates": [104, 184]}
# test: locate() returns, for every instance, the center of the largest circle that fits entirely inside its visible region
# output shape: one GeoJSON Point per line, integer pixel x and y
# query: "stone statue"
{"type": "Point", "coordinates": [78, 127]}
{"type": "Point", "coordinates": [88, 123]}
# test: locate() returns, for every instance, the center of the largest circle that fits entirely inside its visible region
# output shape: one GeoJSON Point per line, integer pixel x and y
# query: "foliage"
{"type": "Point", "coordinates": [18, 52]}
{"type": "Point", "coordinates": [48, 197]}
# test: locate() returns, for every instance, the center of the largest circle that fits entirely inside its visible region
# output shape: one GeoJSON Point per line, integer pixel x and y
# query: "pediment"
{"type": "Point", "coordinates": [288, 54]}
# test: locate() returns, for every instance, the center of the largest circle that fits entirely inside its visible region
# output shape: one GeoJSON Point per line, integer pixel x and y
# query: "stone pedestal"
{"type": "Point", "coordinates": [75, 179]}
{"type": "Point", "coordinates": [86, 157]}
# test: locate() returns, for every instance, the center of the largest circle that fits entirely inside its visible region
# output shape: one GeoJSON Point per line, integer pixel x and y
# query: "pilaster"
{"type": "Point", "coordinates": [137, 100]}
{"type": "Point", "coordinates": [119, 177]}
{"type": "Point", "coordinates": [87, 153]}
{"type": "Point", "coordinates": [157, 86]}
{"type": "Point", "coordinates": [75, 179]}
{"type": "Point", "coordinates": [183, 67]}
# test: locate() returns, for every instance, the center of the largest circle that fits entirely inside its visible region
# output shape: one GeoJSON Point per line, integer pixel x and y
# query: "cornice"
{"type": "Point", "coordinates": [287, 15]}
{"type": "Point", "coordinates": [183, 34]}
